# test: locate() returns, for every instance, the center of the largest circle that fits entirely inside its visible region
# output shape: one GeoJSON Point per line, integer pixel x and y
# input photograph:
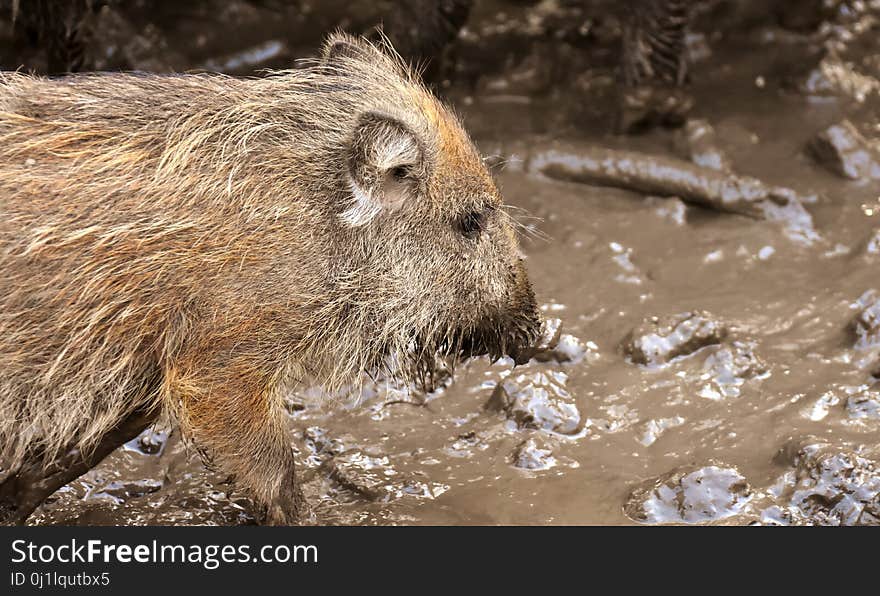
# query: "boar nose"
{"type": "Point", "coordinates": [527, 317]}
{"type": "Point", "coordinates": [521, 355]}
{"type": "Point", "coordinates": [523, 295]}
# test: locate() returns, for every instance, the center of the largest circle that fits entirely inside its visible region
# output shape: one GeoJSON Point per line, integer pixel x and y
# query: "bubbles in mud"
{"type": "Point", "coordinates": [688, 495]}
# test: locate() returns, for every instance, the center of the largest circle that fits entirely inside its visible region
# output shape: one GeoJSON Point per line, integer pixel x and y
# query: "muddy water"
{"type": "Point", "coordinates": [710, 368]}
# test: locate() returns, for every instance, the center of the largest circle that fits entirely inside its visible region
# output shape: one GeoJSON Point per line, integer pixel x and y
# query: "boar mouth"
{"type": "Point", "coordinates": [514, 338]}
{"type": "Point", "coordinates": [506, 335]}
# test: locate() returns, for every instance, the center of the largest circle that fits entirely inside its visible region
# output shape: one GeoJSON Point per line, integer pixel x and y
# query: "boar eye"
{"type": "Point", "coordinates": [400, 172]}
{"type": "Point", "coordinates": [471, 224]}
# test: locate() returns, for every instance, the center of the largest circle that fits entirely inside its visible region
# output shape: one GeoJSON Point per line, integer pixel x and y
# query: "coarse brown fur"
{"type": "Point", "coordinates": [198, 244]}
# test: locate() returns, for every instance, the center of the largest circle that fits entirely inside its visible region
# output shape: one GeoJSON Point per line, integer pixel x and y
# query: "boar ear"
{"type": "Point", "coordinates": [385, 167]}
{"type": "Point", "coordinates": [341, 45]}
{"type": "Point", "coordinates": [337, 45]}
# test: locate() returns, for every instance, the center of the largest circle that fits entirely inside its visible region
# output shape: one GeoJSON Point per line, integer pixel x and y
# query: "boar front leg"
{"type": "Point", "coordinates": [227, 404]}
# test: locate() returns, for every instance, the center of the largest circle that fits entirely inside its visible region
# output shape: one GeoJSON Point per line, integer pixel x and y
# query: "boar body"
{"type": "Point", "coordinates": [197, 245]}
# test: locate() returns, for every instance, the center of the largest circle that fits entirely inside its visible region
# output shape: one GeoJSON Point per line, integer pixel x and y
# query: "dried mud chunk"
{"type": "Point", "coordinates": [374, 478]}
{"type": "Point", "coordinates": [872, 245]}
{"type": "Point", "coordinates": [701, 145]}
{"type": "Point", "coordinates": [657, 341]}
{"type": "Point", "coordinates": [645, 107]}
{"type": "Point", "coordinates": [671, 208]}
{"type": "Point", "coordinates": [568, 350]}
{"type": "Point", "coordinates": [150, 442]}
{"type": "Point", "coordinates": [655, 427]}
{"type": "Point", "coordinates": [120, 491]}
{"type": "Point", "coordinates": [551, 331]}
{"type": "Point", "coordinates": [864, 406]}
{"type": "Point", "coordinates": [500, 400]}
{"type": "Point", "coordinates": [555, 346]}
{"type": "Point", "coordinates": [729, 368]}
{"type": "Point", "coordinates": [533, 454]}
{"type": "Point", "coordinates": [571, 349]}
{"type": "Point", "coordinates": [836, 77]}
{"type": "Point", "coordinates": [834, 487]}
{"type": "Point", "coordinates": [320, 446]}
{"type": "Point", "coordinates": [689, 495]}
{"type": "Point", "coordinates": [540, 401]}
{"type": "Point", "coordinates": [820, 409]}
{"type": "Point", "coordinates": [369, 476]}
{"type": "Point", "coordinates": [844, 151]}
{"type": "Point", "coordinates": [465, 444]}
{"type": "Point", "coordinates": [866, 325]}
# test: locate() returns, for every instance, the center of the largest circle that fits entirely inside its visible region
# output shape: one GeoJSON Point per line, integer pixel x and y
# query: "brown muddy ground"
{"type": "Point", "coordinates": [758, 406]}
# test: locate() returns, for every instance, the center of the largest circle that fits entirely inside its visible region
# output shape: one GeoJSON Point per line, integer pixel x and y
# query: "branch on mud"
{"type": "Point", "coordinates": [667, 176]}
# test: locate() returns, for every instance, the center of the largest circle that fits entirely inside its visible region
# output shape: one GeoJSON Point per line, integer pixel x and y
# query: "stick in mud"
{"type": "Point", "coordinates": [666, 176]}
{"type": "Point", "coordinates": [659, 175]}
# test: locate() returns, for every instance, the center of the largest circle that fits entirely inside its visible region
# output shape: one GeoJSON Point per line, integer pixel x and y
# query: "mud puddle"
{"type": "Point", "coordinates": [710, 367]}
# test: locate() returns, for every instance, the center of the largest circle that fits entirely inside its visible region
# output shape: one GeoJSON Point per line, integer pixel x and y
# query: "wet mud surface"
{"type": "Point", "coordinates": [700, 366]}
